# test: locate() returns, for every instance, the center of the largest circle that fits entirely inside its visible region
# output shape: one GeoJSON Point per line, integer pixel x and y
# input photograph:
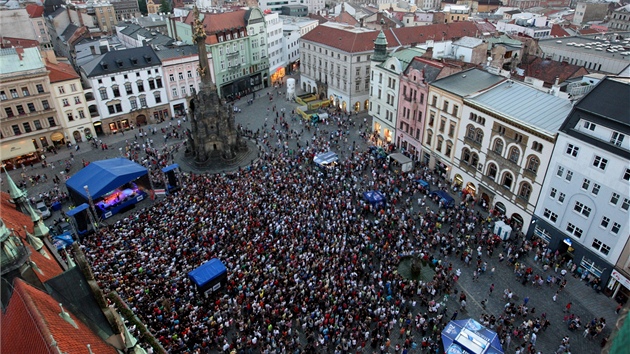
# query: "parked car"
{"type": "Point", "coordinates": [43, 209]}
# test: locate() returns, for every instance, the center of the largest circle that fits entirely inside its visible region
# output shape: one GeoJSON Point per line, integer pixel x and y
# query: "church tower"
{"type": "Point", "coordinates": [213, 136]}
{"type": "Point", "coordinates": [380, 48]}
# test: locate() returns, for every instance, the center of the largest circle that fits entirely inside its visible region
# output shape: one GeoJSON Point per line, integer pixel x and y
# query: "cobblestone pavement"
{"type": "Point", "coordinates": [587, 304]}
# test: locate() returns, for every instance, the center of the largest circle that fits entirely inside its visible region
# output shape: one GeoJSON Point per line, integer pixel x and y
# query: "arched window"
{"type": "Point", "coordinates": [449, 148]}
{"type": "Point", "coordinates": [492, 171]}
{"type": "Point", "coordinates": [515, 153]}
{"type": "Point", "coordinates": [474, 160]}
{"type": "Point", "coordinates": [498, 146]}
{"type": "Point", "coordinates": [507, 180]}
{"type": "Point", "coordinates": [470, 132]}
{"type": "Point", "coordinates": [440, 140]}
{"type": "Point", "coordinates": [466, 155]}
{"type": "Point", "coordinates": [525, 191]}
{"type": "Point", "coordinates": [533, 163]}
{"type": "Point", "coordinates": [479, 136]}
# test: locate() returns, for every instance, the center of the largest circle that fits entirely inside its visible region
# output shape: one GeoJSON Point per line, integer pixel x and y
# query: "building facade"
{"type": "Point", "coordinates": [277, 62]}
{"type": "Point", "coordinates": [70, 99]}
{"type": "Point", "coordinates": [237, 42]}
{"type": "Point", "coordinates": [29, 118]}
{"type": "Point", "coordinates": [444, 114]}
{"type": "Point", "coordinates": [620, 20]}
{"type": "Point", "coordinates": [582, 211]}
{"type": "Point", "coordinates": [293, 29]}
{"type": "Point", "coordinates": [504, 145]}
{"type": "Point", "coordinates": [127, 88]}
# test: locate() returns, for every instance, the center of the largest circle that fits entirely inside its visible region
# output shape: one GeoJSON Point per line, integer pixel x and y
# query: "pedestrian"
{"type": "Point", "coordinates": [568, 307]}
{"type": "Point", "coordinates": [491, 289]}
{"type": "Point", "coordinates": [532, 340]}
{"type": "Point", "coordinates": [555, 297]}
{"type": "Point", "coordinates": [454, 317]}
{"type": "Point", "coordinates": [525, 300]}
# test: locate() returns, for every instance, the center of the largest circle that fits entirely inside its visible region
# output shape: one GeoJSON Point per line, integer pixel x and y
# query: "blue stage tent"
{"type": "Point", "coordinates": [102, 177]}
{"type": "Point", "coordinates": [75, 211]}
{"type": "Point", "coordinates": [469, 336]}
{"type": "Point", "coordinates": [210, 276]}
{"type": "Point", "coordinates": [170, 167]}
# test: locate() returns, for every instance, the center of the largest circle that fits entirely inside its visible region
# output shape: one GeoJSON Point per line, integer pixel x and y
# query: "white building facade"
{"type": "Point", "coordinates": [275, 47]}
{"type": "Point", "coordinates": [582, 211]}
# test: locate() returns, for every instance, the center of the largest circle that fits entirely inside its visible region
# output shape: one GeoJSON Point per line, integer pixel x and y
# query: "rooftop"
{"type": "Point", "coordinates": [15, 60]}
{"type": "Point", "coordinates": [525, 104]}
{"type": "Point", "coordinates": [61, 72]}
{"type": "Point", "coordinates": [121, 60]}
{"type": "Point", "coordinates": [599, 46]}
{"type": "Point", "coordinates": [609, 99]}
{"type": "Point", "coordinates": [468, 82]}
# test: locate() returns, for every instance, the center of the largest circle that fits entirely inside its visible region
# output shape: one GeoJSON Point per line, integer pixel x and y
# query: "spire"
{"type": "Point", "coordinates": [37, 244]}
{"type": "Point", "coordinates": [39, 228]}
{"type": "Point", "coordinates": [380, 47]}
{"type": "Point", "coordinates": [17, 195]}
{"type": "Point", "coordinates": [199, 38]}
{"type": "Point", "coordinates": [66, 317]}
{"type": "Point", "coordinates": [13, 254]}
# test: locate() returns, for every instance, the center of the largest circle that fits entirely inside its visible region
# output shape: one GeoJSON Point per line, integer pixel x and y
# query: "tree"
{"type": "Point", "coordinates": [142, 5]}
{"type": "Point", "coordinates": [165, 7]}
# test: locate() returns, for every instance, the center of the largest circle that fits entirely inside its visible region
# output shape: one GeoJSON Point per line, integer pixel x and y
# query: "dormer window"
{"type": "Point", "coordinates": [119, 63]}
{"type": "Point", "coordinates": [228, 37]}
{"type": "Point", "coordinates": [147, 58]}
{"type": "Point", "coordinates": [220, 38]}
{"type": "Point", "coordinates": [104, 65]}
{"type": "Point", "coordinates": [134, 61]}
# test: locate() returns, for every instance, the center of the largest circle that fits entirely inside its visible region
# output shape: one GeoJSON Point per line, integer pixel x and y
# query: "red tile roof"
{"type": "Point", "coordinates": [219, 22]}
{"type": "Point", "coordinates": [14, 219]}
{"type": "Point", "coordinates": [588, 31]}
{"type": "Point", "coordinates": [345, 17]}
{"type": "Point", "coordinates": [547, 70]}
{"type": "Point", "coordinates": [61, 72]}
{"type": "Point", "coordinates": [558, 31]}
{"type": "Point", "coordinates": [34, 11]}
{"type": "Point", "coordinates": [12, 42]}
{"type": "Point", "coordinates": [364, 41]}
{"type": "Point", "coordinates": [33, 316]}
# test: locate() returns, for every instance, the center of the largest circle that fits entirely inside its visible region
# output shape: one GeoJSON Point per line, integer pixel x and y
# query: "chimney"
{"type": "Point", "coordinates": [20, 53]}
{"type": "Point", "coordinates": [92, 50]}
{"type": "Point", "coordinates": [555, 89]}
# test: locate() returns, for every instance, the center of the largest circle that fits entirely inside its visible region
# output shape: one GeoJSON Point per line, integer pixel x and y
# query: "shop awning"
{"type": "Point", "coordinates": [56, 136]}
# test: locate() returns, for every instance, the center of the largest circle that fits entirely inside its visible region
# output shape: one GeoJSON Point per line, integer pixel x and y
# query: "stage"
{"type": "Point", "coordinates": [119, 200]}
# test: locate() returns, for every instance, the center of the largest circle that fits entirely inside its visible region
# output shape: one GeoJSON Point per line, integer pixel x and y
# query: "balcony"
{"type": "Point", "coordinates": [521, 202]}
{"type": "Point", "coordinates": [472, 142]}
{"type": "Point", "coordinates": [407, 98]}
{"type": "Point", "coordinates": [231, 54]}
{"type": "Point", "coordinates": [497, 188]}
{"type": "Point", "coordinates": [529, 174]}
{"type": "Point", "coordinates": [468, 168]}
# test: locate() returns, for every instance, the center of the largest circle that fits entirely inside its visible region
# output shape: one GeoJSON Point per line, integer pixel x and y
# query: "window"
{"type": "Point", "coordinates": [533, 163]}
{"type": "Point", "coordinates": [77, 100]}
{"type": "Point", "coordinates": [20, 109]}
{"type": "Point", "coordinates": [140, 86]}
{"type": "Point", "coordinates": [16, 129]}
{"type": "Point", "coordinates": [158, 99]}
{"type": "Point", "coordinates": [116, 91]}
{"type": "Point", "coordinates": [614, 199]}
{"type": "Point", "coordinates": [514, 154]}
{"type": "Point", "coordinates": [582, 209]}
{"type": "Point", "coordinates": [70, 116]}
{"type": "Point", "coordinates": [8, 111]}
{"type": "Point", "coordinates": [171, 77]}
{"type": "Point", "coordinates": [574, 230]}
{"type": "Point", "coordinates": [180, 76]}
{"type": "Point", "coordinates": [429, 137]}
{"type": "Point", "coordinates": [598, 245]}
{"type": "Point", "coordinates": [128, 88]}
{"type": "Point", "coordinates": [445, 106]}
{"type": "Point", "coordinates": [492, 171]}
{"type": "Point", "coordinates": [596, 188]}
{"type": "Point", "coordinates": [626, 175]}
{"type": "Point", "coordinates": [151, 84]}
{"type": "Point", "coordinates": [27, 127]}
{"type": "Point", "coordinates": [600, 162]}
{"type": "Point", "coordinates": [158, 82]}
{"type": "Point", "coordinates": [585, 184]}
{"type": "Point", "coordinates": [470, 134]}
{"type": "Point", "coordinates": [189, 73]}
{"type": "Point", "coordinates": [449, 148]}
{"type": "Point", "coordinates": [479, 136]}
{"type": "Point", "coordinates": [560, 171]}
{"type": "Point", "coordinates": [133, 102]}
{"type": "Point", "coordinates": [561, 197]}
{"type": "Point", "coordinates": [507, 180]}
{"type": "Point", "coordinates": [553, 217]}
{"type": "Point", "coordinates": [569, 176]}
{"type": "Point", "coordinates": [553, 193]}
{"type": "Point", "coordinates": [590, 126]}
{"type": "Point", "coordinates": [31, 107]}
{"type": "Point", "coordinates": [38, 124]}
{"type": "Point", "coordinates": [498, 146]}
{"type": "Point", "coordinates": [40, 88]}
{"type": "Point", "coordinates": [143, 101]}
{"type": "Point", "coordinates": [605, 222]}
{"type": "Point", "coordinates": [431, 119]}
{"type": "Point", "coordinates": [451, 129]}
{"type": "Point", "coordinates": [615, 228]}
{"type": "Point", "coordinates": [438, 147]}
{"type": "Point", "coordinates": [73, 87]}
{"type": "Point", "coordinates": [103, 92]}
{"type": "Point", "coordinates": [81, 114]}
{"type": "Point", "coordinates": [626, 204]}
{"type": "Point", "coordinates": [536, 146]}
{"type": "Point", "coordinates": [3, 95]}
{"type": "Point", "coordinates": [61, 90]}
{"type": "Point", "coordinates": [65, 102]}
{"type": "Point", "coordinates": [455, 110]}
{"type": "Point", "coordinates": [51, 122]}
{"type": "Point", "coordinates": [45, 104]}
{"type": "Point", "coordinates": [25, 91]}
{"type": "Point", "coordinates": [465, 155]}
{"type": "Point", "coordinates": [442, 125]}
{"type": "Point", "coordinates": [525, 191]}
{"type": "Point", "coordinates": [174, 92]}
{"type": "Point", "coordinates": [572, 150]}
{"type": "Point", "coordinates": [615, 139]}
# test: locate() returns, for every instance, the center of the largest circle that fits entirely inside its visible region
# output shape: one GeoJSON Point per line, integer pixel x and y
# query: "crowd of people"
{"type": "Point", "coordinates": [312, 266]}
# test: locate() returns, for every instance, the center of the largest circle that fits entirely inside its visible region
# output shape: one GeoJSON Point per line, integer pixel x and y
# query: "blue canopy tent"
{"type": "Point", "coordinates": [81, 219]}
{"type": "Point", "coordinates": [63, 240]}
{"type": "Point", "coordinates": [209, 277]}
{"type": "Point", "coordinates": [114, 185]}
{"type": "Point", "coordinates": [469, 336]}
{"type": "Point", "coordinates": [169, 178]}
{"type": "Point", "coordinates": [375, 198]}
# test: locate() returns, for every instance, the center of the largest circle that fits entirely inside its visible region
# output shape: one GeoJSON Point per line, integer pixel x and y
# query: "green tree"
{"type": "Point", "coordinates": [142, 5]}
{"type": "Point", "coordinates": [165, 6]}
